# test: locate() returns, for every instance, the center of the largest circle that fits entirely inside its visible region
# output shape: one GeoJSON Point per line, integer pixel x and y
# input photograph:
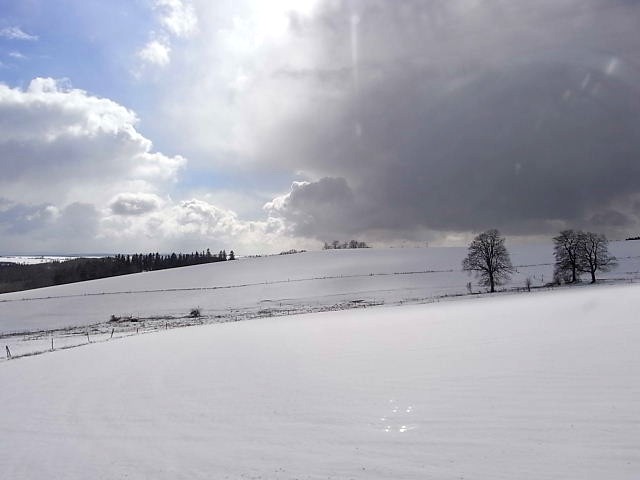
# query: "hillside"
{"type": "Point", "coordinates": [543, 385]}
{"type": "Point", "coordinates": [278, 284]}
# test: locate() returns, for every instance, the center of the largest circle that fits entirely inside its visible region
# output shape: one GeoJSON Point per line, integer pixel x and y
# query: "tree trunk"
{"type": "Point", "coordinates": [593, 276]}
{"type": "Point", "coordinates": [492, 283]}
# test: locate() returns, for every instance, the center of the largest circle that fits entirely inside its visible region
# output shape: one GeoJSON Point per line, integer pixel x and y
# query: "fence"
{"type": "Point", "coordinates": [25, 344]}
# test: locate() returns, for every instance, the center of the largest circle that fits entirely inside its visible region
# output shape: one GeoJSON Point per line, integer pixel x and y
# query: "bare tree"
{"type": "Point", "coordinates": [594, 255]}
{"type": "Point", "coordinates": [527, 284]}
{"type": "Point", "coordinates": [566, 250]}
{"type": "Point", "coordinates": [489, 259]}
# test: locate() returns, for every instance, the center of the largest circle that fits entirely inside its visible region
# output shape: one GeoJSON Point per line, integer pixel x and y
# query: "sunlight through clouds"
{"type": "Point", "coordinates": [315, 118]}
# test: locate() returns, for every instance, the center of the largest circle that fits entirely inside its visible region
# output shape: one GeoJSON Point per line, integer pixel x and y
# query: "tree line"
{"type": "Point", "coordinates": [337, 245]}
{"type": "Point", "coordinates": [575, 252]}
{"type": "Point", "coordinates": [15, 277]}
{"type": "Point", "coordinates": [155, 261]}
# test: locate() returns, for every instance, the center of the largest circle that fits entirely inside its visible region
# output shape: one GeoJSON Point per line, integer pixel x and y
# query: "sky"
{"type": "Point", "coordinates": [166, 125]}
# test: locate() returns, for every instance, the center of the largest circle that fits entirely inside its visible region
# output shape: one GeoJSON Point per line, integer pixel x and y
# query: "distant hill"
{"type": "Point", "coordinates": [17, 276]}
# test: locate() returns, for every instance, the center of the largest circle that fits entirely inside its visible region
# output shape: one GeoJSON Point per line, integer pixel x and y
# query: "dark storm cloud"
{"type": "Point", "coordinates": [317, 207]}
{"type": "Point", "coordinates": [610, 218]}
{"type": "Point", "coordinates": [463, 115]}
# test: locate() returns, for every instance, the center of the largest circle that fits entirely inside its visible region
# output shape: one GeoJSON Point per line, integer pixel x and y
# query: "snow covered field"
{"type": "Point", "coordinates": [33, 259]}
{"type": "Point", "coordinates": [277, 284]}
{"type": "Point", "coordinates": [535, 386]}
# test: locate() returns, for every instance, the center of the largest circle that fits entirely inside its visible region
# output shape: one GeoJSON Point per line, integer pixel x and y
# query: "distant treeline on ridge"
{"type": "Point", "coordinates": [15, 277]}
{"type": "Point", "coordinates": [337, 245]}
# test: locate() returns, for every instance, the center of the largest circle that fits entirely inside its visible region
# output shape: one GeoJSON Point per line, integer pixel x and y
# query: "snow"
{"type": "Point", "coordinates": [529, 386]}
{"type": "Point", "coordinates": [278, 284]}
{"type": "Point", "coordinates": [32, 260]}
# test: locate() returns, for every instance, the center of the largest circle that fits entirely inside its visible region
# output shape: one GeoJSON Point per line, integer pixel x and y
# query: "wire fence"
{"type": "Point", "coordinates": [25, 344]}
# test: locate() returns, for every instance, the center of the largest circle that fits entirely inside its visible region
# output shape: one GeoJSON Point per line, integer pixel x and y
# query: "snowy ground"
{"type": "Point", "coordinates": [258, 287]}
{"type": "Point", "coordinates": [543, 385]}
{"type": "Point", "coordinates": [33, 259]}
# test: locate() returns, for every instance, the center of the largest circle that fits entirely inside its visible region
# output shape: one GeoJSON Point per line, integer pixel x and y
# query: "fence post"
{"type": "Point", "coordinates": [8, 351]}
{"type": "Point", "coordinates": [52, 344]}
{"type": "Point", "coordinates": [88, 340]}
{"type": "Point", "coordinates": [112, 330]}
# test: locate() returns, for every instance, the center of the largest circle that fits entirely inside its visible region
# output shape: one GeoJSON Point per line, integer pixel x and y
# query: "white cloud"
{"type": "Point", "coordinates": [17, 55]}
{"type": "Point", "coordinates": [193, 224]}
{"type": "Point", "coordinates": [155, 53]}
{"type": "Point", "coordinates": [60, 145]}
{"type": "Point", "coordinates": [77, 176]}
{"type": "Point", "coordinates": [176, 19]}
{"type": "Point", "coordinates": [57, 135]}
{"type": "Point", "coordinates": [16, 33]}
{"type": "Point", "coordinates": [199, 217]}
{"type": "Point", "coordinates": [177, 16]}
{"type": "Point", "coordinates": [138, 221]}
{"type": "Point", "coordinates": [135, 203]}
{"type": "Point", "coordinates": [158, 165]}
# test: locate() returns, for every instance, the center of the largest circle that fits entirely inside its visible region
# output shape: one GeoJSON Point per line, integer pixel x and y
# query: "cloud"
{"type": "Point", "coordinates": [155, 53]}
{"type": "Point", "coordinates": [47, 228]}
{"type": "Point", "coordinates": [177, 16]}
{"type": "Point", "coordinates": [134, 203]}
{"type": "Point", "coordinates": [65, 153]}
{"type": "Point", "coordinates": [199, 217]}
{"type": "Point", "coordinates": [16, 33]}
{"type": "Point", "coordinates": [77, 176]}
{"type": "Point", "coordinates": [62, 138]}
{"type": "Point", "coordinates": [135, 222]}
{"type": "Point", "coordinates": [400, 119]}
{"type": "Point", "coordinates": [430, 118]}
{"type": "Point", "coordinates": [194, 224]}
{"type": "Point", "coordinates": [77, 224]}
{"type": "Point", "coordinates": [16, 218]}
{"type": "Point", "coordinates": [176, 19]}
{"type": "Point", "coordinates": [610, 218]}
{"type": "Point", "coordinates": [201, 220]}
{"type": "Point", "coordinates": [312, 209]}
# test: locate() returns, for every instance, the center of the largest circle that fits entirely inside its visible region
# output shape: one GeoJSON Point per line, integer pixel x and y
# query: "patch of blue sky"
{"type": "Point", "coordinates": [91, 43]}
{"type": "Point", "coordinates": [202, 178]}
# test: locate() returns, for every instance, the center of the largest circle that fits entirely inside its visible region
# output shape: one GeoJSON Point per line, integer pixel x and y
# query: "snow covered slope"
{"type": "Point", "coordinates": [33, 259]}
{"type": "Point", "coordinates": [533, 386]}
{"type": "Point", "coordinates": [280, 283]}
